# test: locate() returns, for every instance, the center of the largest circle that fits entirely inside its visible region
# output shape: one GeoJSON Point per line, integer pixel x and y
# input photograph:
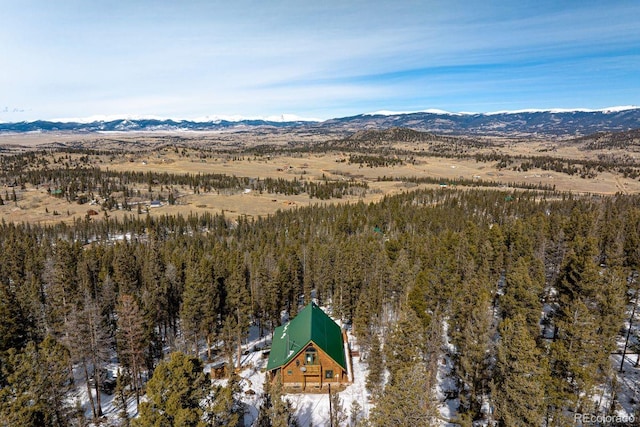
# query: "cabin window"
{"type": "Point", "coordinates": [328, 374]}
{"type": "Point", "coordinates": [289, 372]}
{"type": "Point", "coordinates": [310, 356]}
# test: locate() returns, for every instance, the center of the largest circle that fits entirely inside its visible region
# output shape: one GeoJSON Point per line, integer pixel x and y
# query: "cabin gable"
{"type": "Point", "coordinates": [309, 350]}
{"type": "Point", "coordinates": [312, 367]}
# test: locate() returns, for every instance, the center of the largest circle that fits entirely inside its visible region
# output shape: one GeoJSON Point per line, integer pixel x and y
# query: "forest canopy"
{"type": "Point", "coordinates": [532, 288]}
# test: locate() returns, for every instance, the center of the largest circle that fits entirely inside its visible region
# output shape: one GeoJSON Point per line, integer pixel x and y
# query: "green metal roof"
{"type": "Point", "coordinates": [311, 324]}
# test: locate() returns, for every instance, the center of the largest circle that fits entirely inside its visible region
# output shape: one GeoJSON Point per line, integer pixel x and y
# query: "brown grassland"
{"type": "Point", "coordinates": [227, 153]}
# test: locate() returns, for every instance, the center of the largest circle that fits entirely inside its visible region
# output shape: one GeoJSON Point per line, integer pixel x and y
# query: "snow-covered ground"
{"type": "Point", "coordinates": [628, 394]}
{"type": "Point", "coordinates": [446, 382]}
{"type": "Point", "coordinates": [310, 408]}
{"type": "Point", "coordinates": [313, 409]}
{"type": "Point", "coordinates": [628, 381]}
{"type": "Point", "coordinates": [110, 413]}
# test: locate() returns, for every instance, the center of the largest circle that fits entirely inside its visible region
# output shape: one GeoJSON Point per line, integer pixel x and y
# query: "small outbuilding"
{"type": "Point", "coordinates": [310, 351]}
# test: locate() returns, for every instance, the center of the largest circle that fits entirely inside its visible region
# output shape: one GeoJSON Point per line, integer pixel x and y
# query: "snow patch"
{"type": "Point", "coordinates": [202, 119]}
{"type": "Point", "coordinates": [446, 387]}
{"type": "Point", "coordinates": [430, 111]}
{"type": "Point", "coordinates": [494, 113]}
{"type": "Point", "coordinates": [565, 110]}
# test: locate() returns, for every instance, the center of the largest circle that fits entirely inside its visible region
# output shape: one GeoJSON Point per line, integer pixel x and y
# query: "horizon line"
{"type": "Point", "coordinates": [289, 118]}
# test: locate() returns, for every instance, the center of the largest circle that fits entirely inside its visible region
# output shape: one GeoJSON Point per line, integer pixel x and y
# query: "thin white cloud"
{"type": "Point", "coordinates": [199, 57]}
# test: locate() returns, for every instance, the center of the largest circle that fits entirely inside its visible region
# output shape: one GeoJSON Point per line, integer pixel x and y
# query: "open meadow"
{"type": "Point", "coordinates": [392, 168]}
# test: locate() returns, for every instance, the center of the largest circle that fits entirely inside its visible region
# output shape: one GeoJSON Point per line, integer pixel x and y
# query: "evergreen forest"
{"type": "Point", "coordinates": [528, 293]}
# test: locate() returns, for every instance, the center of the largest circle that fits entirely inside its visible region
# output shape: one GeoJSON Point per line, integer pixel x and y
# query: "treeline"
{"type": "Point", "coordinates": [465, 182]}
{"type": "Point", "coordinates": [374, 161]}
{"type": "Point", "coordinates": [626, 165]}
{"type": "Point", "coordinates": [113, 189]}
{"type": "Point", "coordinates": [409, 273]}
{"type": "Point", "coordinates": [626, 140]}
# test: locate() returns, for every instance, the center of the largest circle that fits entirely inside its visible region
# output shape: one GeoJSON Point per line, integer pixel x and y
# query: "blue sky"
{"type": "Point", "coordinates": [196, 58]}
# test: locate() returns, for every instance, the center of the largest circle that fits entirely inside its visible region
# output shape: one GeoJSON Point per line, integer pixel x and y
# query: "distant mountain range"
{"type": "Point", "coordinates": [543, 123]}
{"type": "Point", "coordinates": [518, 123]}
{"type": "Point", "coordinates": [141, 125]}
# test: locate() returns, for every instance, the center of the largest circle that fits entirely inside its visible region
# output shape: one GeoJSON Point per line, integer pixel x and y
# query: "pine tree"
{"type": "Point", "coordinates": [131, 339]}
{"type": "Point", "coordinates": [174, 394]}
{"type": "Point", "coordinates": [405, 345]}
{"type": "Point", "coordinates": [61, 283]}
{"type": "Point", "coordinates": [14, 325]}
{"type": "Point", "coordinates": [76, 340]}
{"type": "Point", "coordinates": [121, 396]}
{"type": "Point", "coordinates": [407, 401]}
{"type": "Point", "coordinates": [471, 329]}
{"type": "Point", "coordinates": [611, 237]}
{"type": "Point", "coordinates": [376, 367]}
{"type": "Point", "coordinates": [224, 408]}
{"type": "Point", "coordinates": [38, 381]}
{"type": "Point", "coordinates": [418, 300]}
{"type": "Point", "coordinates": [520, 376]}
{"type": "Point", "coordinates": [89, 344]}
{"type": "Point", "coordinates": [363, 322]}
{"type": "Point", "coordinates": [611, 303]}
{"type": "Point", "coordinates": [264, 408]}
{"type": "Point", "coordinates": [200, 305]}
{"type": "Point", "coordinates": [125, 269]}
{"type": "Point", "coordinates": [575, 356]}
{"type": "Point", "coordinates": [338, 412]}
{"type": "Point", "coordinates": [355, 414]}
{"type": "Point", "coordinates": [274, 411]}
{"type": "Point", "coordinates": [579, 273]}
{"type": "Point", "coordinates": [347, 278]}
{"type": "Point", "coordinates": [272, 299]}
{"type": "Point", "coordinates": [238, 308]}
{"type": "Point", "coordinates": [583, 337]}
{"type": "Point", "coordinates": [522, 295]}
{"type": "Point", "coordinates": [403, 276]}
{"type": "Point", "coordinates": [631, 243]}
{"type": "Point", "coordinates": [154, 297]}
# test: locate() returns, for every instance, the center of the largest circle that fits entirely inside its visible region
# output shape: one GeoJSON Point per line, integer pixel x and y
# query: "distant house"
{"type": "Point", "coordinates": [310, 351]}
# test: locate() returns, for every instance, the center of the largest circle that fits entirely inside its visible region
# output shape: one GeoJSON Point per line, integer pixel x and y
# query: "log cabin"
{"type": "Point", "coordinates": [311, 351]}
